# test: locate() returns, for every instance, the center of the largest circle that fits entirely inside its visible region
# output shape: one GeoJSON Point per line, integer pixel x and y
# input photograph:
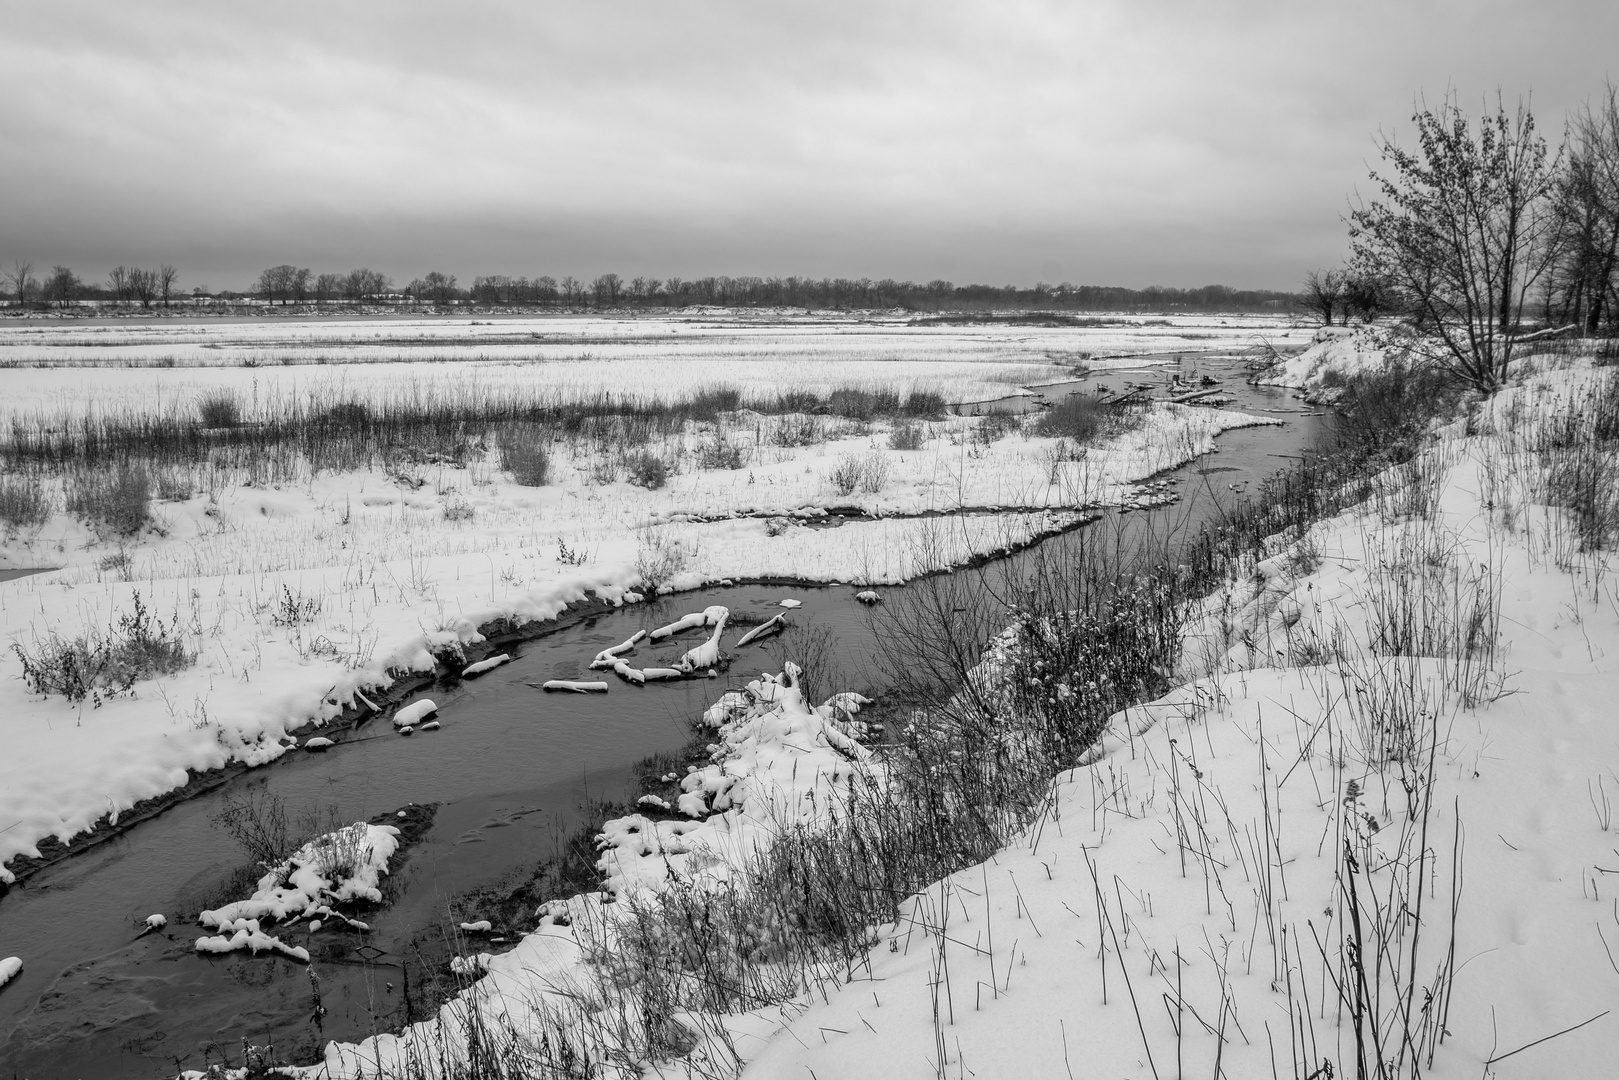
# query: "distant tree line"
{"type": "Point", "coordinates": [133, 285]}
{"type": "Point", "coordinates": [290, 285]}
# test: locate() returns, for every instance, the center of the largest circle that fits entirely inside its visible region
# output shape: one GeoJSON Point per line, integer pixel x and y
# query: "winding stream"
{"type": "Point", "coordinates": [508, 771]}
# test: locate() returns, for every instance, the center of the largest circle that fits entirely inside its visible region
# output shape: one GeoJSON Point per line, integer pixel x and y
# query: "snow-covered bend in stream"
{"type": "Point", "coordinates": [299, 599]}
{"type": "Point", "coordinates": [1374, 823]}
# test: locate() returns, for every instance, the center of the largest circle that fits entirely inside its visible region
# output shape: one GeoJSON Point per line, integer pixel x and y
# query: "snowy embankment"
{"type": "Point", "coordinates": [1396, 743]}
{"type": "Point", "coordinates": [1374, 827]}
{"type": "Point", "coordinates": [300, 599]}
{"type": "Point", "coordinates": [778, 762]}
{"type": "Point", "coordinates": [1336, 353]}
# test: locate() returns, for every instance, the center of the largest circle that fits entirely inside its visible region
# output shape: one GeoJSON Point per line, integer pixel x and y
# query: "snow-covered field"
{"type": "Point", "coordinates": [295, 598]}
{"type": "Point", "coordinates": [65, 369]}
{"type": "Point", "coordinates": [1374, 827]}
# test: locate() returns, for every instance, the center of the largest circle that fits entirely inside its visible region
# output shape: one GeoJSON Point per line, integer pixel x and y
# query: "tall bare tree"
{"type": "Point", "coordinates": [62, 287]}
{"type": "Point", "coordinates": [21, 277]}
{"type": "Point", "coordinates": [167, 276]}
{"type": "Point", "coordinates": [570, 289]}
{"type": "Point", "coordinates": [118, 283]}
{"type": "Point", "coordinates": [1463, 232]}
{"type": "Point", "coordinates": [606, 288]}
{"type": "Point", "coordinates": [1324, 293]}
{"type": "Point", "coordinates": [1585, 280]}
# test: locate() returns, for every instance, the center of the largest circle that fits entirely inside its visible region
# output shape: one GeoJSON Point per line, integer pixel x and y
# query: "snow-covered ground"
{"type": "Point", "coordinates": [65, 368]}
{"type": "Point", "coordinates": [1376, 822]}
{"type": "Point", "coordinates": [299, 596]}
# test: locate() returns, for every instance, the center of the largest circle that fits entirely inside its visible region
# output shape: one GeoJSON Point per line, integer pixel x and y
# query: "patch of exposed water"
{"type": "Point", "coordinates": [509, 770]}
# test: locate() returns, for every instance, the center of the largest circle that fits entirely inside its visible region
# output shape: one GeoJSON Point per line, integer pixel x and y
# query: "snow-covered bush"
{"type": "Point", "coordinates": [906, 437]}
{"type": "Point", "coordinates": [646, 469]}
{"type": "Point", "coordinates": [136, 647]}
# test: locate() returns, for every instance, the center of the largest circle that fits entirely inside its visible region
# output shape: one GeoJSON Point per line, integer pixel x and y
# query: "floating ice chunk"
{"type": "Point", "coordinates": [9, 967]}
{"type": "Point", "coordinates": [431, 725]}
{"type": "Point", "coordinates": [482, 926]}
{"type": "Point", "coordinates": [629, 674]}
{"type": "Point", "coordinates": [868, 597]}
{"type": "Point", "coordinates": [654, 674]}
{"type": "Point", "coordinates": [575, 686]}
{"type": "Point", "coordinates": [771, 626]}
{"type": "Point", "coordinates": [487, 664]}
{"type": "Point", "coordinates": [314, 925]}
{"type": "Point", "coordinates": [156, 922]}
{"type": "Point", "coordinates": [407, 731]}
{"type": "Point", "coordinates": [790, 603]}
{"type": "Point", "coordinates": [318, 744]}
{"type": "Point", "coordinates": [415, 713]}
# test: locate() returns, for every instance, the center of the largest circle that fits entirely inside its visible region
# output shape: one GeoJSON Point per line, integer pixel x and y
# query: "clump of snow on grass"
{"type": "Point", "coordinates": [1336, 353]}
{"type": "Point", "coordinates": [340, 867]}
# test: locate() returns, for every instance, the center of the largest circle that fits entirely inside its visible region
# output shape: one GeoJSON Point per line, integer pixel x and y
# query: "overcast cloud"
{"type": "Point", "coordinates": [1100, 141]}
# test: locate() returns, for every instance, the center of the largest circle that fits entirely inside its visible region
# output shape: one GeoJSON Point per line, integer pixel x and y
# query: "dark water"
{"type": "Point", "coordinates": [510, 769]}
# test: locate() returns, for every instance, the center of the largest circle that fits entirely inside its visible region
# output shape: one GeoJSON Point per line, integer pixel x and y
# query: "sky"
{"type": "Point", "coordinates": [1127, 142]}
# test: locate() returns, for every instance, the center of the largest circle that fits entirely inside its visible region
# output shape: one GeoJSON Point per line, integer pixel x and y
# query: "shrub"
{"type": "Point", "coordinates": [799, 401]}
{"type": "Point", "coordinates": [645, 469]}
{"type": "Point", "coordinates": [845, 474]}
{"type": "Point", "coordinates": [23, 502]}
{"type": "Point", "coordinates": [868, 472]}
{"type": "Point", "coordinates": [137, 647]}
{"type": "Point", "coordinates": [924, 403]}
{"type": "Point", "coordinates": [1386, 413]}
{"type": "Point", "coordinates": [352, 414]}
{"type": "Point", "coordinates": [118, 501]}
{"type": "Point", "coordinates": [797, 430]}
{"type": "Point", "coordinates": [219, 409]}
{"type": "Point", "coordinates": [1086, 418]}
{"type": "Point", "coordinates": [710, 401]}
{"type": "Point", "coordinates": [996, 425]}
{"type": "Point", "coordinates": [524, 454]}
{"type": "Point", "coordinates": [721, 453]}
{"type": "Point", "coordinates": [906, 437]}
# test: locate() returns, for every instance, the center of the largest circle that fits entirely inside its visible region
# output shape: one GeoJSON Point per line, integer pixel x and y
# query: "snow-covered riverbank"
{"type": "Point", "coordinates": [1375, 823]}
{"type": "Point", "coordinates": [298, 598]}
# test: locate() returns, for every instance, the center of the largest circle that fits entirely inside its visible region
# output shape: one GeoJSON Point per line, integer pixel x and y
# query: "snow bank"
{"type": "Point", "coordinates": [1336, 353]}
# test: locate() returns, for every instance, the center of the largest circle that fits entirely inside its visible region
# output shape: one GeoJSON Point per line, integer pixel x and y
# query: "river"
{"type": "Point", "coordinates": [509, 772]}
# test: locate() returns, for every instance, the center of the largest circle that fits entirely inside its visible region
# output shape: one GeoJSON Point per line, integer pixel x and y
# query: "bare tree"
{"type": "Point", "coordinates": [436, 288]}
{"type": "Point", "coordinates": [328, 287]}
{"type": "Point", "coordinates": [62, 287]}
{"type": "Point", "coordinates": [570, 289]}
{"type": "Point", "coordinates": [1463, 232]}
{"type": "Point", "coordinates": [167, 276]}
{"type": "Point", "coordinates": [1585, 280]}
{"type": "Point", "coordinates": [21, 277]}
{"type": "Point", "coordinates": [1324, 292]}
{"type": "Point", "coordinates": [143, 285]}
{"type": "Point", "coordinates": [118, 283]}
{"type": "Point", "coordinates": [607, 288]}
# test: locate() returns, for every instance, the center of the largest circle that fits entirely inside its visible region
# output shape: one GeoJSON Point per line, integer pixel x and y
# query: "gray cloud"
{"type": "Point", "coordinates": [1154, 141]}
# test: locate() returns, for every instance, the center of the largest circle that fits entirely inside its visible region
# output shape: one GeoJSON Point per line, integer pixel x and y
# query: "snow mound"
{"type": "Point", "coordinates": [1335, 354]}
{"type": "Point", "coordinates": [340, 867]}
